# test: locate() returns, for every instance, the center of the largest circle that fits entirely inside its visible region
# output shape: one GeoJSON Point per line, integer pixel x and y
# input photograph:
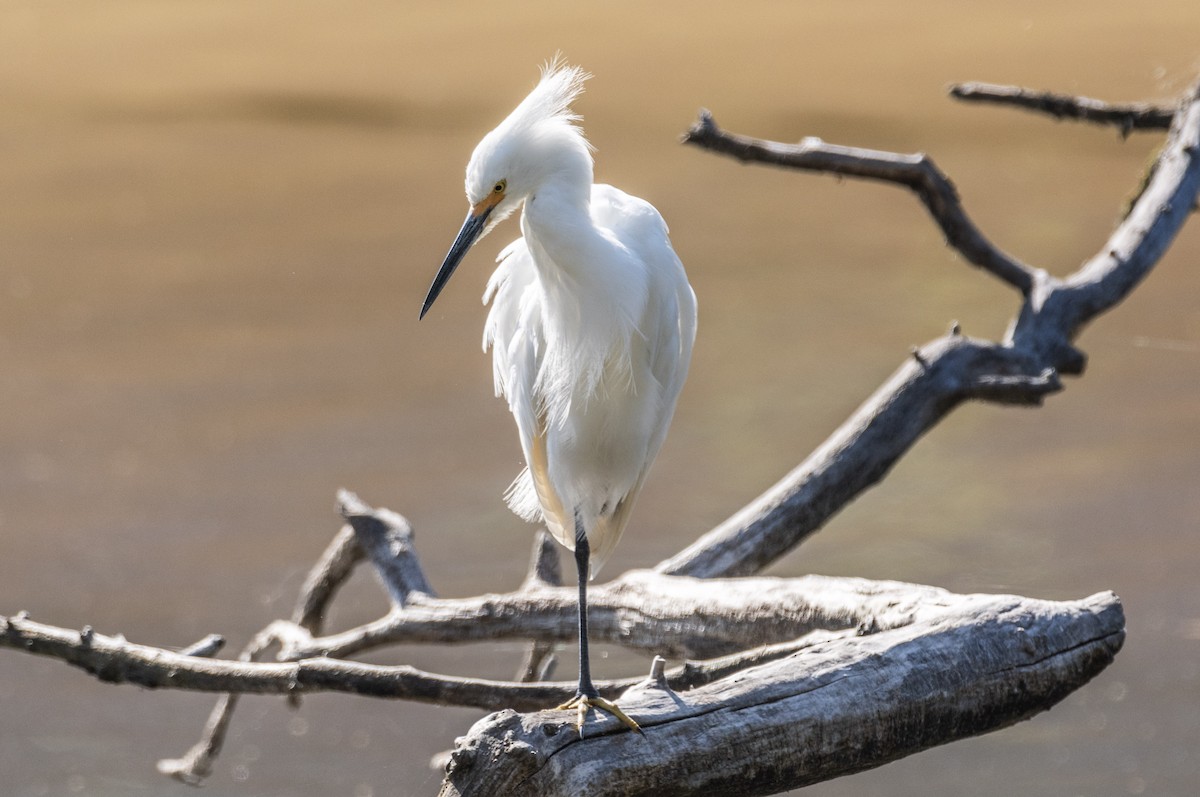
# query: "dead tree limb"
{"type": "Point", "coordinates": [332, 569]}
{"type": "Point", "coordinates": [915, 171]}
{"type": "Point", "coordinates": [113, 659]}
{"type": "Point", "coordinates": [938, 667]}
{"type": "Point", "coordinates": [1022, 368]}
{"type": "Point", "coordinates": [926, 387]}
{"type": "Point", "coordinates": [1126, 117]}
{"type": "Point", "coordinates": [823, 712]}
{"type": "Point", "coordinates": [738, 614]}
{"type": "Point", "coordinates": [786, 661]}
{"type": "Point", "coordinates": [326, 577]}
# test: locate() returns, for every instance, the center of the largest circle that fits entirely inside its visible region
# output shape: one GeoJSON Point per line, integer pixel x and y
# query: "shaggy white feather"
{"type": "Point", "coordinates": [591, 325]}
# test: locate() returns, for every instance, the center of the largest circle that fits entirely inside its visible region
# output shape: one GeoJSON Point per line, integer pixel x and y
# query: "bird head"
{"type": "Point", "coordinates": [538, 142]}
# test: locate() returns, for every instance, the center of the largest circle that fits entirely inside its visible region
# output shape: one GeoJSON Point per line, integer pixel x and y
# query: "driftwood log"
{"type": "Point", "coordinates": [831, 707]}
{"type": "Point", "coordinates": [786, 682]}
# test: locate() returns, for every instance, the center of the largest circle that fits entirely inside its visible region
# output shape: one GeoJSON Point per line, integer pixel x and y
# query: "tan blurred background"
{"type": "Point", "coordinates": [218, 220]}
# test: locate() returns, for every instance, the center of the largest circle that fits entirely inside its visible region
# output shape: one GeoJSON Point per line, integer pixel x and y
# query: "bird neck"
{"type": "Point", "coordinates": [569, 251]}
{"type": "Point", "coordinates": [557, 217]}
{"type": "Point", "coordinates": [598, 290]}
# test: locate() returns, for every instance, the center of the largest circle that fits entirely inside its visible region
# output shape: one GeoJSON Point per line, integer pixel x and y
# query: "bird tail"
{"type": "Point", "coordinates": [521, 497]}
{"type": "Point", "coordinates": [604, 532]}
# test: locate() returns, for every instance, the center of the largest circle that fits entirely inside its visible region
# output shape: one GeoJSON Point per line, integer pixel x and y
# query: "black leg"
{"type": "Point", "coordinates": [582, 554]}
{"type": "Point", "coordinates": [586, 697]}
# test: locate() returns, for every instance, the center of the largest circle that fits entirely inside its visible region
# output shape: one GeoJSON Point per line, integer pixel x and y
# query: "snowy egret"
{"type": "Point", "coordinates": [591, 330]}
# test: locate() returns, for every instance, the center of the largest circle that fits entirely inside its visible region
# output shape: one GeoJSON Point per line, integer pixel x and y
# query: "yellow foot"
{"type": "Point", "coordinates": [582, 703]}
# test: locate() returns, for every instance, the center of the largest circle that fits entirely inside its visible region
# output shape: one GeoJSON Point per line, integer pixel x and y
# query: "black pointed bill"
{"type": "Point", "coordinates": [471, 230]}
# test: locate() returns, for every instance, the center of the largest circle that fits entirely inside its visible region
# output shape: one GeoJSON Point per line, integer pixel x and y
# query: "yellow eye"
{"type": "Point", "coordinates": [499, 187]}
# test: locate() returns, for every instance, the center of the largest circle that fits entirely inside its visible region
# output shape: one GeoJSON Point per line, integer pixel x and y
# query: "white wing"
{"type": "Point", "coordinates": [514, 334]}
{"type": "Point", "coordinates": [660, 354]}
{"type": "Point", "coordinates": [669, 326]}
{"type": "Point", "coordinates": [668, 329]}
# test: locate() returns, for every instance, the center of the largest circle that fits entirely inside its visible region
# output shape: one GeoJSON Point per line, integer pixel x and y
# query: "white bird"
{"type": "Point", "coordinates": [591, 329]}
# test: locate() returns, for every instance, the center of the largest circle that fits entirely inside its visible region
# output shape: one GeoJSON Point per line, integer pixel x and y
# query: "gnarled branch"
{"type": "Point", "coordinates": [917, 172]}
{"type": "Point", "coordinates": [786, 660]}
{"type": "Point", "coordinates": [1022, 368]}
{"type": "Point", "coordinates": [634, 610]}
{"type": "Point", "coordinates": [825, 711]}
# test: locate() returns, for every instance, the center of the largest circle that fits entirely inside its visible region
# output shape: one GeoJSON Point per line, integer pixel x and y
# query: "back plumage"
{"type": "Point", "coordinates": [565, 414]}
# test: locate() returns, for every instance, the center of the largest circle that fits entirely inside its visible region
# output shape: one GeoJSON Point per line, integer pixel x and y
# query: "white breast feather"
{"type": "Point", "coordinates": [534, 368]}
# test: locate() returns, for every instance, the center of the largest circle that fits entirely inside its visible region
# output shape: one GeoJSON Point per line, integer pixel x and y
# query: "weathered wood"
{"type": "Point", "coordinates": [545, 569]}
{"type": "Point", "coordinates": [387, 539]}
{"type": "Point", "coordinates": [740, 613]}
{"type": "Point", "coordinates": [915, 171]}
{"type": "Point", "coordinates": [925, 388]}
{"type": "Point", "coordinates": [1126, 117]}
{"type": "Point", "coordinates": [325, 578]}
{"type": "Point", "coordinates": [1023, 367]}
{"type": "Point", "coordinates": [829, 710]}
{"type": "Point", "coordinates": [813, 677]}
{"type": "Point", "coordinates": [640, 610]}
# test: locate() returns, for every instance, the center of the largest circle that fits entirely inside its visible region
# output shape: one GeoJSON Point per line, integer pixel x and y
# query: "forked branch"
{"type": "Point", "coordinates": [930, 660]}
{"type": "Point", "coordinates": [803, 719]}
{"type": "Point", "coordinates": [786, 660]}
{"type": "Point", "coordinates": [1022, 368]}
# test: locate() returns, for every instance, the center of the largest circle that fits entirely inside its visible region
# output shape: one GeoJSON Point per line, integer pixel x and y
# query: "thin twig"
{"type": "Point", "coordinates": [116, 660]}
{"type": "Point", "coordinates": [331, 570]}
{"type": "Point", "coordinates": [120, 660]}
{"type": "Point", "coordinates": [545, 570]}
{"type": "Point", "coordinates": [326, 577]}
{"type": "Point", "coordinates": [1144, 235]}
{"type": "Point", "coordinates": [1126, 117]}
{"type": "Point", "coordinates": [917, 172]}
{"type": "Point", "coordinates": [194, 766]}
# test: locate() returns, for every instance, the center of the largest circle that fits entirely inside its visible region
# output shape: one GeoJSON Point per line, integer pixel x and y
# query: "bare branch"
{"type": "Point", "coordinates": [325, 578]}
{"type": "Point", "coordinates": [1023, 369]}
{"type": "Point", "coordinates": [1137, 244]}
{"type": "Point", "coordinates": [804, 719]}
{"type": "Point", "coordinates": [1127, 117]}
{"type": "Point", "coordinates": [209, 646]}
{"type": "Point", "coordinates": [115, 660]}
{"type": "Point", "coordinates": [641, 610]}
{"type": "Point", "coordinates": [545, 569]}
{"type": "Point", "coordinates": [859, 454]}
{"type": "Point", "coordinates": [331, 570]}
{"type": "Point", "coordinates": [916, 172]}
{"type": "Point", "coordinates": [387, 539]}
{"type": "Point", "coordinates": [646, 611]}
{"type": "Point", "coordinates": [328, 574]}
{"type": "Point", "coordinates": [197, 763]}
{"type": "Point", "coordinates": [787, 659]}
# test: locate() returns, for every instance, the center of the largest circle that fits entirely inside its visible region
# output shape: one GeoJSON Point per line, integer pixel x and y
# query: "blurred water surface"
{"type": "Point", "coordinates": [218, 220]}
